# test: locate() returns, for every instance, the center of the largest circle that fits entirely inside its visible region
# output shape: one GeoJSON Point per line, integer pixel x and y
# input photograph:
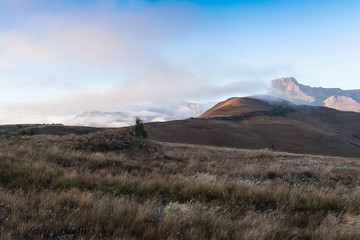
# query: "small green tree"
{"type": "Point", "coordinates": [139, 129]}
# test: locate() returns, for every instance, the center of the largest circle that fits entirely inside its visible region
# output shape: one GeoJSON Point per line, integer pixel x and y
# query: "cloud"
{"type": "Point", "coordinates": [154, 112]}
{"type": "Point", "coordinates": [16, 49]}
{"type": "Point", "coordinates": [86, 45]}
{"type": "Point", "coordinates": [133, 92]}
{"type": "Point", "coordinates": [124, 116]}
{"type": "Point", "coordinates": [99, 59]}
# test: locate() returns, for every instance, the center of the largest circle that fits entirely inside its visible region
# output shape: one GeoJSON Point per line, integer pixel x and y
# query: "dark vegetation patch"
{"type": "Point", "coordinates": [277, 111]}
{"type": "Point", "coordinates": [18, 130]}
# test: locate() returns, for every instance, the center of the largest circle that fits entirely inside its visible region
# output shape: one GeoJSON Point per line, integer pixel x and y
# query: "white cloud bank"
{"type": "Point", "coordinates": [155, 112]}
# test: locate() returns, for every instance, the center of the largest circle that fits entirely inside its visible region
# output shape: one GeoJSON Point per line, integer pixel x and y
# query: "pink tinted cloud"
{"type": "Point", "coordinates": [81, 43]}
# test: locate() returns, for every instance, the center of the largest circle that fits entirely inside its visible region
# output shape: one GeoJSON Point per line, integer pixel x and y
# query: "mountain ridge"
{"type": "Point", "coordinates": [290, 89]}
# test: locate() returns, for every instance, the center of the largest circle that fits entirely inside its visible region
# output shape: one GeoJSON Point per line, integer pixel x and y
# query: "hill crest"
{"type": "Point", "coordinates": [238, 106]}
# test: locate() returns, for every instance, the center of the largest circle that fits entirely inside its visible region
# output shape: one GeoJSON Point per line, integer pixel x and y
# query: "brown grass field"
{"type": "Point", "coordinates": [110, 185]}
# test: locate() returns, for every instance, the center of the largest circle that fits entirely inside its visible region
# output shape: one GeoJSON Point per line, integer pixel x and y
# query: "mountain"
{"type": "Point", "coordinates": [240, 106]}
{"type": "Point", "coordinates": [342, 103]}
{"type": "Point", "coordinates": [289, 88]}
{"type": "Point", "coordinates": [273, 123]}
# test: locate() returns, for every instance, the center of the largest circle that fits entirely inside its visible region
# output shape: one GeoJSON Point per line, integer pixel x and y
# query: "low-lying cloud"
{"type": "Point", "coordinates": [154, 112]}
{"type": "Point", "coordinates": [121, 99]}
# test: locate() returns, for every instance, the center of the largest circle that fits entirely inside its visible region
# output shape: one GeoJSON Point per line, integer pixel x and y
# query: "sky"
{"type": "Point", "coordinates": [59, 59]}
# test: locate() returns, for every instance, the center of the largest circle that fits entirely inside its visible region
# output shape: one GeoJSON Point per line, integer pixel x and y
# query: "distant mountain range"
{"type": "Point", "coordinates": [284, 88]}
{"type": "Point", "coordinates": [288, 88]}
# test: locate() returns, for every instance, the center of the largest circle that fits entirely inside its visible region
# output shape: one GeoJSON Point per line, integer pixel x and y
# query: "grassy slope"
{"type": "Point", "coordinates": [279, 125]}
{"type": "Point", "coordinates": [112, 185]}
{"type": "Point", "coordinates": [313, 130]}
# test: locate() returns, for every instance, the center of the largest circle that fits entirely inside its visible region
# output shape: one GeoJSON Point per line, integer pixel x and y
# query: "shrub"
{"type": "Point", "coordinates": [139, 129]}
{"type": "Point", "coordinates": [83, 131]}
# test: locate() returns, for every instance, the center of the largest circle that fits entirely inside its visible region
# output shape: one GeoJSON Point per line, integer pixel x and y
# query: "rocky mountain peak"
{"type": "Point", "coordinates": [290, 89]}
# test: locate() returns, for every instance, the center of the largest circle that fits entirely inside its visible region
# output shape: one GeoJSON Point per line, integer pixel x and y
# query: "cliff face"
{"type": "Point", "coordinates": [290, 89]}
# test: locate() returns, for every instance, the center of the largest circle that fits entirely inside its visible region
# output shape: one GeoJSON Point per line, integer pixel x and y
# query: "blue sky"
{"type": "Point", "coordinates": [63, 57]}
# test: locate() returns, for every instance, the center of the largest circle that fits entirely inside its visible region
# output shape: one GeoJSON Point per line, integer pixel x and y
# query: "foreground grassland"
{"type": "Point", "coordinates": [110, 185]}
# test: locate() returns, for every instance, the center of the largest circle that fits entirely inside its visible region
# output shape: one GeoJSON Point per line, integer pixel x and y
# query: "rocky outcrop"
{"type": "Point", "coordinates": [288, 88]}
{"type": "Point", "coordinates": [342, 103]}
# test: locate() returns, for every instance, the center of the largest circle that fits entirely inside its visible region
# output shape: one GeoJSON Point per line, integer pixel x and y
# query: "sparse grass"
{"type": "Point", "coordinates": [109, 185]}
